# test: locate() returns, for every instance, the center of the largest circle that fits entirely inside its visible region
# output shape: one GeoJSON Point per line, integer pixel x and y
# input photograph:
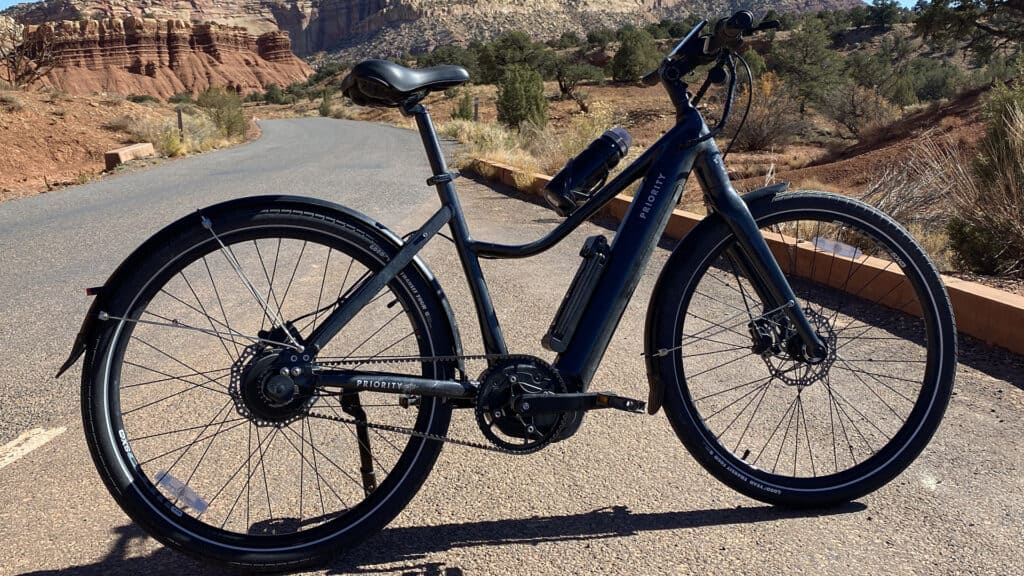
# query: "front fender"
{"type": "Point", "coordinates": [656, 392]}
{"type": "Point", "coordinates": [88, 333]}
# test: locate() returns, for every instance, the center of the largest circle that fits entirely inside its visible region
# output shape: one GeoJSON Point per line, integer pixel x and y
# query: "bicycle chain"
{"type": "Point", "coordinates": [413, 431]}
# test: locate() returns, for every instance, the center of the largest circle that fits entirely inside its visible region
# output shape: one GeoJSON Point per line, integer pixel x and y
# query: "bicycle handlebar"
{"type": "Point", "coordinates": [728, 32]}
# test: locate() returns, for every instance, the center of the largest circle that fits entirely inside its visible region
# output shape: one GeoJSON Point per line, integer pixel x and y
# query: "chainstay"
{"type": "Point", "coordinates": [409, 359]}
{"type": "Point", "coordinates": [412, 431]}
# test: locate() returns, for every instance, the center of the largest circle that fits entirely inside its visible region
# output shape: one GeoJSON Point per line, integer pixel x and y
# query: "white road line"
{"type": "Point", "coordinates": [27, 442]}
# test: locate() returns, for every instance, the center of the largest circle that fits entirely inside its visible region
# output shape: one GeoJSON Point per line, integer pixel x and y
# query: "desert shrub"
{"type": "Point", "coordinates": [181, 98]}
{"type": "Point", "coordinates": [934, 79]}
{"type": "Point", "coordinates": [325, 104]}
{"type": "Point", "coordinates": [601, 37]}
{"type": "Point", "coordinates": [512, 48]}
{"type": "Point", "coordinates": [298, 91]}
{"type": "Point", "coordinates": [224, 108]}
{"type": "Point", "coordinates": [464, 107]}
{"type": "Point", "coordinates": [11, 103]}
{"type": "Point", "coordinates": [521, 97]}
{"type": "Point", "coordinates": [327, 69]}
{"type": "Point", "coordinates": [774, 117]}
{"type": "Point", "coordinates": [975, 198]}
{"type": "Point", "coordinates": [274, 95]}
{"type": "Point", "coordinates": [142, 98]}
{"type": "Point", "coordinates": [568, 39]}
{"type": "Point", "coordinates": [121, 123]}
{"type": "Point", "coordinates": [453, 54]}
{"type": "Point", "coordinates": [571, 74]}
{"type": "Point", "coordinates": [987, 229]}
{"type": "Point", "coordinates": [755, 61]}
{"type": "Point", "coordinates": [637, 55]}
{"type": "Point", "coordinates": [861, 110]}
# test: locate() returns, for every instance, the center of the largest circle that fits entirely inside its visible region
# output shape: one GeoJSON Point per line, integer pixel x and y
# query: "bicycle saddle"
{"type": "Point", "coordinates": [383, 83]}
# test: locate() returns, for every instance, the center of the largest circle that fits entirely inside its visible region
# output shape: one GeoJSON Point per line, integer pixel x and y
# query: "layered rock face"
{"type": "Point", "coordinates": [164, 57]}
{"type": "Point", "coordinates": [389, 27]}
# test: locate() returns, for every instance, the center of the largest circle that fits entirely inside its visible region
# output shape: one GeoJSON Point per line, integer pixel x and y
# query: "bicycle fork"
{"type": "Point", "coordinates": [754, 259]}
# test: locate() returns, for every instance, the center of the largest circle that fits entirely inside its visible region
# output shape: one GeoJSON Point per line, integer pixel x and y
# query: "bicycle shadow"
{"type": "Point", "coordinates": [404, 549]}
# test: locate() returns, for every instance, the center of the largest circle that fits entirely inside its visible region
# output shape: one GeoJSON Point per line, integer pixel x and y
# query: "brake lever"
{"type": "Point", "coordinates": [652, 79]}
{"type": "Point", "coordinates": [767, 25]}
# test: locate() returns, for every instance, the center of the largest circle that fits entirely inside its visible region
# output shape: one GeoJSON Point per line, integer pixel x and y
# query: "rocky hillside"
{"type": "Point", "coordinates": [164, 57]}
{"type": "Point", "coordinates": [388, 27]}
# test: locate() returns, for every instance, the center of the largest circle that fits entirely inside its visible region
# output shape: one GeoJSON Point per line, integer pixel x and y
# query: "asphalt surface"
{"type": "Point", "coordinates": [621, 497]}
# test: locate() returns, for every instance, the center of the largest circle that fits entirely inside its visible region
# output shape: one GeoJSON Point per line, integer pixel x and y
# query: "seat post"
{"type": "Point", "coordinates": [431, 145]}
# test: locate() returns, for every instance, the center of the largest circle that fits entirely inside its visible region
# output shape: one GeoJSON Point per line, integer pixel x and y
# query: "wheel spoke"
{"type": "Point", "coordinates": [860, 395]}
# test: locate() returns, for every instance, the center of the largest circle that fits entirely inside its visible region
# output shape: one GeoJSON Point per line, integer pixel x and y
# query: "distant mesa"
{"type": "Point", "coordinates": [164, 57]}
{"type": "Point", "coordinates": [391, 27]}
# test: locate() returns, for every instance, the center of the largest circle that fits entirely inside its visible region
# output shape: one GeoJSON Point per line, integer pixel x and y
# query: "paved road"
{"type": "Point", "coordinates": [622, 497]}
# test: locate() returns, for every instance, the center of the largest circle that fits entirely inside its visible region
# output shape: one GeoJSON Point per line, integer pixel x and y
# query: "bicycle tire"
{"type": "Point", "coordinates": [702, 312]}
{"type": "Point", "coordinates": [127, 437]}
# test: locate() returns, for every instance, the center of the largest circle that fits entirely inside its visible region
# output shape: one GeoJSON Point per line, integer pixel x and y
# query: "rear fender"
{"type": "Point", "coordinates": [88, 333]}
{"type": "Point", "coordinates": [656, 393]}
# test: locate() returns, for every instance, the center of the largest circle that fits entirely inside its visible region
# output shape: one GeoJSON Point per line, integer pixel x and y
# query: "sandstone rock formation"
{"type": "Point", "coordinates": [164, 57]}
{"type": "Point", "coordinates": [388, 27]}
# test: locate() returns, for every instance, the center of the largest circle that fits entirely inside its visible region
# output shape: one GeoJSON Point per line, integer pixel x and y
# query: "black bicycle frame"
{"type": "Point", "coordinates": [665, 168]}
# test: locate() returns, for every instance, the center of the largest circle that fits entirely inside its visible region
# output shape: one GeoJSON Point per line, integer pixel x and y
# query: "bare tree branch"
{"type": "Point", "coordinates": [26, 53]}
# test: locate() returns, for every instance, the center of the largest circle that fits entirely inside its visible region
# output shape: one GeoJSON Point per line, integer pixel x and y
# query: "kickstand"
{"type": "Point", "coordinates": [350, 405]}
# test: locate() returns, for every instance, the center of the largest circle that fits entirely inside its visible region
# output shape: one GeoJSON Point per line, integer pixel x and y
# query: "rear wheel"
{"type": "Point", "coordinates": [743, 398]}
{"type": "Point", "coordinates": [215, 455]}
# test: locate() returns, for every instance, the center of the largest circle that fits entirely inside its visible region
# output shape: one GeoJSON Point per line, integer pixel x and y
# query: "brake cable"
{"type": "Point", "coordinates": [726, 109]}
{"type": "Point", "coordinates": [750, 100]}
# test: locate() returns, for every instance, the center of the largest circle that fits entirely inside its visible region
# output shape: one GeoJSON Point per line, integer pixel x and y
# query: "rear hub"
{"type": "Point", "coordinates": [268, 390]}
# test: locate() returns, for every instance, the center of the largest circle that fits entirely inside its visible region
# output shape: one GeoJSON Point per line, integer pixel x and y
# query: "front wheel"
{"type": "Point", "coordinates": [742, 397]}
{"type": "Point", "coordinates": [213, 450]}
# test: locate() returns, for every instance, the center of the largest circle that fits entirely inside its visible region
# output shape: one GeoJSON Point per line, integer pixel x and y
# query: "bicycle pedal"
{"type": "Point", "coordinates": [605, 399]}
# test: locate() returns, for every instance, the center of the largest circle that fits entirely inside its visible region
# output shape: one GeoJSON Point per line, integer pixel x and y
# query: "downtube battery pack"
{"type": "Point", "coordinates": [595, 256]}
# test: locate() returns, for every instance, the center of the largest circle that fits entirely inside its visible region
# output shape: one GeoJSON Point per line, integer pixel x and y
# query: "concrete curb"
{"type": "Point", "coordinates": [993, 316]}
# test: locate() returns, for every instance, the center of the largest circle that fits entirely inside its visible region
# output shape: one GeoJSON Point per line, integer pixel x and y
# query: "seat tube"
{"type": "Point", "coordinates": [490, 329]}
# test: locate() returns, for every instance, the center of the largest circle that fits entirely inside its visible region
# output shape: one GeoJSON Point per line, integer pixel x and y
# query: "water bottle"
{"type": "Point", "coordinates": [575, 182]}
{"type": "Point", "coordinates": [179, 490]}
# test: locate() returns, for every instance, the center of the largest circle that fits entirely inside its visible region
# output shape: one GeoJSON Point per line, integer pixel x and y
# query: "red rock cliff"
{"type": "Point", "coordinates": [163, 57]}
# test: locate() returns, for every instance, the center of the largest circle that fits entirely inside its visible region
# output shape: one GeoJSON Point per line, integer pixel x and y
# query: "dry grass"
{"type": "Point", "coordinates": [200, 134]}
{"type": "Point", "coordinates": [965, 207]}
{"type": "Point", "coordinates": [121, 123]}
{"type": "Point", "coordinates": [532, 150]}
{"type": "Point", "coordinates": [491, 142]}
{"type": "Point", "coordinates": [11, 103]}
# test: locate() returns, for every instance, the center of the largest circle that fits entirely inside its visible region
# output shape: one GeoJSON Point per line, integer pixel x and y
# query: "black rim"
{"type": "Point", "coordinates": [261, 486]}
{"type": "Point", "coordinates": [794, 424]}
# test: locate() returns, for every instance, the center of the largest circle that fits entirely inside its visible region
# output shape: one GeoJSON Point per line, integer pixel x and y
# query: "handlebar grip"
{"type": "Point", "coordinates": [728, 31]}
{"type": "Point", "coordinates": [738, 23]}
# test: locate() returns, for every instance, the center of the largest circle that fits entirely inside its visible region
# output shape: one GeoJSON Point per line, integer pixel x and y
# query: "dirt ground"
{"type": "Point", "coordinates": [49, 139]}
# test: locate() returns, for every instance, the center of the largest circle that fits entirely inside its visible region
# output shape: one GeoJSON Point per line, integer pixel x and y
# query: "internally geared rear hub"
{"type": "Point", "coordinates": [265, 392]}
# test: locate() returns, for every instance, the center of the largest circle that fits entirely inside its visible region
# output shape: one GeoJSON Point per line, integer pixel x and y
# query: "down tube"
{"type": "Point", "coordinates": [634, 242]}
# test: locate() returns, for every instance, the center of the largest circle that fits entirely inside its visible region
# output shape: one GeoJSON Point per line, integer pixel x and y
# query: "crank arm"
{"type": "Point", "coordinates": [574, 402]}
{"type": "Point", "coordinates": [358, 381]}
